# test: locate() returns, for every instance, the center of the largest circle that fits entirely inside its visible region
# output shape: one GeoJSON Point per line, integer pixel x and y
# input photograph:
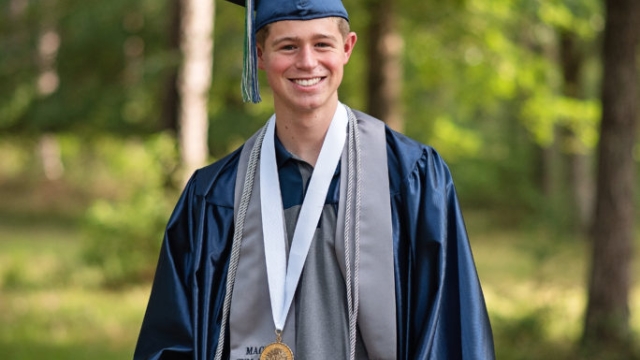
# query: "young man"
{"type": "Point", "coordinates": [327, 235]}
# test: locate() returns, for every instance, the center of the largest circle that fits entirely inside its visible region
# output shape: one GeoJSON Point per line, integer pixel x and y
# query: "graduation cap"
{"type": "Point", "coordinates": [263, 12]}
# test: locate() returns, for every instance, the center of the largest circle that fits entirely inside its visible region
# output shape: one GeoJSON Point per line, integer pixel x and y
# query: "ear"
{"type": "Point", "coordinates": [349, 44]}
{"type": "Point", "coordinates": [260, 54]}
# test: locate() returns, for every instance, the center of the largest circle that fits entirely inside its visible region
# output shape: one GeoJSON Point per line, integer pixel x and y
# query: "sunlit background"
{"type": "Point", "coordinates": [95, 147]}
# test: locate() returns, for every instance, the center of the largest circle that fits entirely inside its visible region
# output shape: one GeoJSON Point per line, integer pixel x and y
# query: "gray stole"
{"type": "Point", "coordinates": [250, 320]}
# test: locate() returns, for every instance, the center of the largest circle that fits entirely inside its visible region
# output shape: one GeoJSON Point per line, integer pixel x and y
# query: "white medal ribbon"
{"type": "Point", "coordinates": [282, 277]}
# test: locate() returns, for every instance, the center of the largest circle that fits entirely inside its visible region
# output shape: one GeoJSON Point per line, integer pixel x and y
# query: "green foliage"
{"type": "Point", "coordinates": [122, 238]}
{"type": "Point", "coordinates": [19, 275]}
{"type": "Point", "coordinates": [476, 73]}
{"type": "Point", "coordinates": [15, 106]}
{"type": "Point", "coordinates": [123, 235]}
{"type": "Point", "coordinates": [542, 114]}
{"type": "Point", "coordinates": [15, 157]}
{"type": "Point", "coordinates": [110, 62]}
{"type": "Point", "coordinates": [454, 140]}
{"type": "Point", "coordinates": [484, 85]}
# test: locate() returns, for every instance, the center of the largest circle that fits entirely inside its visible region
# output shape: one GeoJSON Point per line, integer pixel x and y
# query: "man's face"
{"type": "Point", "coordinates": [304, 62]}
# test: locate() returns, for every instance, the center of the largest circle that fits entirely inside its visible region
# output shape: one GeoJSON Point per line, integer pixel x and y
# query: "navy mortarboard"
{"type": "Point", "coordinates": [263, 12]}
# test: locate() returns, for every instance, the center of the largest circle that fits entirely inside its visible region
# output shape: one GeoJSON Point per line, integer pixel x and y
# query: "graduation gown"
{"type": "Point", "coordinates": [440, 313]}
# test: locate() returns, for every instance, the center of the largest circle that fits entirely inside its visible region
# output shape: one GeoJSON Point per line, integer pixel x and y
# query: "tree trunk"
{"type": "Point", "coordinates": [196, 44]}
{"type": "Point", "coordinates": [578, 172]}
{"type": "Point", "coordinates": [171, 96]}
{"type": "Point", "coordinates": [607, 314]}
{"type": "Point", "coordinates": [48, 46]}
{"type": "Point", "coordinates": [385, 65]}
{"type": "Point", "coordinates": [544, 170]}
{"type": "Point", "coordinates": [47, 83]}
{"type": "Point", "coordinates": [580, 181]}
{"type": "Point", "coordinates": [546, 155]}
{"type": "Point", "coordinates": [50, 156]}
{"type": "Point", "coordinates": [18, 7]}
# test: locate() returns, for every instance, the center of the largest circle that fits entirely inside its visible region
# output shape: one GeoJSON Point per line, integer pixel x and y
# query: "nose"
{"type": "Point", "coordinates": [306, 58]}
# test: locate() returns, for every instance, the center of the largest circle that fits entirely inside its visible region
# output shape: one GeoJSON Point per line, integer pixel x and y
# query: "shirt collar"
{"type": "Point", "coordinates": [282, 154]}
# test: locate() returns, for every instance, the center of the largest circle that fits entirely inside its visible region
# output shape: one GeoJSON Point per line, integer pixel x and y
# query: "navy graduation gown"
{"type": "Point", "coordinates": [441, 312]}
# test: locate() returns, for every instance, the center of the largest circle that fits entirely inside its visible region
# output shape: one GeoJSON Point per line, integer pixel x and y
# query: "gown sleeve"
{"type": "Point", "coordinates": [167, 331]}
{"type": "Point", "coordinates": [441, 308]}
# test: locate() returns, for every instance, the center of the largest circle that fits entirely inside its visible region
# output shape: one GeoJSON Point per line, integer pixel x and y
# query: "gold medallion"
{"type": "Point", "coordinates": [277, 350]}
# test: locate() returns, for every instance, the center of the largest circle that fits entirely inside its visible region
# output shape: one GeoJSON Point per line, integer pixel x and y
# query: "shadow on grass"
{"type": "Point", "coordinates": [525, 339]}
{"type": "Point", "coordinates": [40, 350]}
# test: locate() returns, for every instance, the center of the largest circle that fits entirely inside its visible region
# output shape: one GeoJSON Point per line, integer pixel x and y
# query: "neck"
{"type": "Point", "coordinates": [303, 134]}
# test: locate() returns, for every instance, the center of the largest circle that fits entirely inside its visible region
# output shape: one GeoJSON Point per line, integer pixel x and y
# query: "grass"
{"type": "Point", "coordinates": [70, 323]}
{"type": "Point", "coordinates": [534, 282]}
{"type": "Point", "coordinates": [52, 305]}
{"type": "Point", "coordinates": [533, 289]}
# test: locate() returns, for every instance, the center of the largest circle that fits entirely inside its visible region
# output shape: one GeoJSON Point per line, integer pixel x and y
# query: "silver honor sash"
{"type": "Point", "coordinates": [363, 232]}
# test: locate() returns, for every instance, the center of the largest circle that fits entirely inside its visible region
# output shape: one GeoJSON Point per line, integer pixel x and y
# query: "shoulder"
{"type": "Point", "coordinates": [216, 182]}
{"type": "Point", "coordinates": [412, 161]}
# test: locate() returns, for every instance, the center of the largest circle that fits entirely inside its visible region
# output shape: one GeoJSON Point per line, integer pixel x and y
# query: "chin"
{"type": "Point", "coordinates": [309, 104]}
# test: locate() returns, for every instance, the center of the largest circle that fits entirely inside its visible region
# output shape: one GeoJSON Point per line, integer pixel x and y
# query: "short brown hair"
{"type": "Point", "coordinates": [343, 27]}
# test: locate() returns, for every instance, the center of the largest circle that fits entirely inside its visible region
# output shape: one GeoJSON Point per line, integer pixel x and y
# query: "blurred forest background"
{"type": "Point", "coordinates": [106, 107]}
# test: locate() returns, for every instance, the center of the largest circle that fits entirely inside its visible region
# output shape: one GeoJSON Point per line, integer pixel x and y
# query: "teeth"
{"type": "Point", "coordinates": [307, 82]}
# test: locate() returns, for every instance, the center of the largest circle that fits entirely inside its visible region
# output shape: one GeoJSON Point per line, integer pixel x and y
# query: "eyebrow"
{"type": "Point", "coordinates": [296, 38]}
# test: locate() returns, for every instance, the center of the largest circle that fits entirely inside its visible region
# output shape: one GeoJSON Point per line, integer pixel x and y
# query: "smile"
{"type": "Point", "coordinates": [307, 82]}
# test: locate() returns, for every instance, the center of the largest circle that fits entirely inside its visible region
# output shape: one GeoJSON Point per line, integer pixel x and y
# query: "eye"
{"type": "Point", "coordinates": [288, 47]}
